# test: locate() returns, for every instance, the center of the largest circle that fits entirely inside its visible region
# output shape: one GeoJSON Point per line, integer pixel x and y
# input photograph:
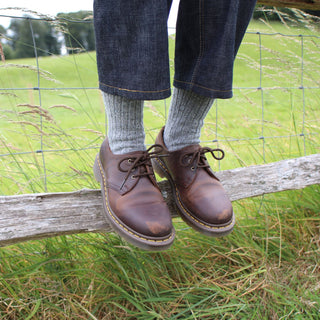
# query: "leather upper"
{"type": "Point", "coordinates": [198, 189]}
{"type": "Point", "coordinates": [133, 194]}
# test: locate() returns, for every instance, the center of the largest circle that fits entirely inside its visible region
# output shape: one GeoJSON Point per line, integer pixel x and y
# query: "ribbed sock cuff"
{"type": "Point", "coordinates": [125, 127]}
{"type": "Point", "coordinates": [186, 118]}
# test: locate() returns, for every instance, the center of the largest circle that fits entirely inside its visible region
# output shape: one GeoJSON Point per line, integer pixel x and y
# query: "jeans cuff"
{"type": "Point", "coordinates": [136, 94]}
{"type": "Point", "coordinates": [202, 90]}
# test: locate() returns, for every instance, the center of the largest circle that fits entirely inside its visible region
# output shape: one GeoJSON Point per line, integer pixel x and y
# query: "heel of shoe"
{"type": "Point", "coordinates": [96, 169]}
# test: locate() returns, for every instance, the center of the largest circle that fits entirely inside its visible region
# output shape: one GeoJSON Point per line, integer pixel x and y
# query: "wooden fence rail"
{"type": "Point", "coordinates": [34, 216]}
{"type": "Point", "coordinates": [300, 4]}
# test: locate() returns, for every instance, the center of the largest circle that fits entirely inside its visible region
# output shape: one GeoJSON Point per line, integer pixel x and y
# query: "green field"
{"type": "Point", "coordinates": [73, 119]}
{"type": "Point", "coordinates": [268, 268]}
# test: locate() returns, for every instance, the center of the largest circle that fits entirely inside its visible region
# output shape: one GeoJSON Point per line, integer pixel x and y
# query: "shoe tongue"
{"type": "Point", "coordinates": [186, 154]}
{"type": "Point", "coordinates": [192, 148]}
{"type": "Point", "coordinates": [134, 153]}
{"type": "Point", "coordinates": [189, 150]}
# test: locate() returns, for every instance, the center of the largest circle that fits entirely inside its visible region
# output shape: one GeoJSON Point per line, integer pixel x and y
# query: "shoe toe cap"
{"type": "Point", "coordinates": [213, 208]}
{"type": "Point", "coordinates": [152, 221]}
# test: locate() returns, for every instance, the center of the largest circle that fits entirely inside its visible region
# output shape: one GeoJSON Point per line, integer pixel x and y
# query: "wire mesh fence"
{"type": "Point", "coordinates": [52, 118]}
{"type": "Point", "coordinates": [51, 125]}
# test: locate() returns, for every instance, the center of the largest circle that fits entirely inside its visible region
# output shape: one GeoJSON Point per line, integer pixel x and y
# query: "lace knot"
{"type": "Point", "coordinates": [197, 159]}
{"type": "Point", "coordinates": [141, 162]}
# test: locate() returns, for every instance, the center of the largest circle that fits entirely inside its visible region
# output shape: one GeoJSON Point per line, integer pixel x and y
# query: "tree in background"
{"type": "Point", "coordinates": [21, 41]}
{"type": "Point", "coordinates": [6, 50]}
{"type": "Point", "coordinates": [78, 30]}
{"type": "Point", "coordinates": [2, 32]}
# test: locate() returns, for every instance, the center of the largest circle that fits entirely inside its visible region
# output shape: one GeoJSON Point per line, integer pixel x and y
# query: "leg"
{"type": "Point", "coordinates": [132, 57]}
{"type": "Point", "coordinates": [208, 37]}
{"type": "Point", "coordinates": [132, 48]}
{"type": "Point", "coordinates": [133, 65]}
{"type": "Point", "coordinates": [209, 34]}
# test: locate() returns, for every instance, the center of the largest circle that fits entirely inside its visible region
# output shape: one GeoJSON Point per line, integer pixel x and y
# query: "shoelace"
{"type": "Point", "coordinates": [198, 157]}
{"type": "Point", "coordinates": [142, 162]}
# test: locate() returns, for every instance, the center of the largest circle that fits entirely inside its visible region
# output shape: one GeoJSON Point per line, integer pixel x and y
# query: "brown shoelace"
{"type": "Point", "coordinates": [142, 162]}
{"type": "Point", "coordinates": [198, 159]}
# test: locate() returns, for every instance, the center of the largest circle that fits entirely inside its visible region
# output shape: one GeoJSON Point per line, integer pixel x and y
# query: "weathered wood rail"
{"type": "Point", "coordinates": [34, 216]}
{"type": "Point", "coordinates": [300, 4]}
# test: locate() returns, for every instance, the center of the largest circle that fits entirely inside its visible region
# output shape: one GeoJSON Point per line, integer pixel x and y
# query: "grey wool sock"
{"type": "Point", "coordinates": [125, 123]}
{"type": "Point", "coordinates": [185, 120]}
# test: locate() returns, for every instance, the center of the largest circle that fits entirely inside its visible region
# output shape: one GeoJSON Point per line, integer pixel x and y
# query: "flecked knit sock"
{"type": "Point", "coordinates": [185, 120]}
{"type": "Point", "coordinates": [125, 123]}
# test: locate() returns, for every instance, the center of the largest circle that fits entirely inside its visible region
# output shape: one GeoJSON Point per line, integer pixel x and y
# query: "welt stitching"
{"type": "Point", "coordinates": [197, 85]}
{"type": "Point", "coordinates": [129, 90]}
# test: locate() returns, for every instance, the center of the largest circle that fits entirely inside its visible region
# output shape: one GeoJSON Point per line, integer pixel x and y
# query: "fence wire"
{"type": "Point", "coordinates": [52, 116]}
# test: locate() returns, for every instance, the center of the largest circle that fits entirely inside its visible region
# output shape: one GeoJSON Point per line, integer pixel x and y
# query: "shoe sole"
{"type": "Point", "coordinates": [210, 230]}
{"type": "Point", "coordinates": [124, 231]}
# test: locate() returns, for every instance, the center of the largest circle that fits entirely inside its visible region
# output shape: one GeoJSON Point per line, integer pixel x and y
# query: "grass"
{"type": "Point", "coordinates": [268, 268]}
{"type": "Point", "coordinates": [70, 119]}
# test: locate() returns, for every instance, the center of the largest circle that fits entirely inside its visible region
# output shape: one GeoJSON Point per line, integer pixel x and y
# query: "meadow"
{"type": "Point", "coordinates": [68, 124]}
{"type": "Point", "coordinates": [268, 268]}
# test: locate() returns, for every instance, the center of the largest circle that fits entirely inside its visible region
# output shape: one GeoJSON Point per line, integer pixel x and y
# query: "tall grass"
{"type": "Point", "coordinates": [69, 125]}
{"type": "Point", "coordinates": [268, 268]}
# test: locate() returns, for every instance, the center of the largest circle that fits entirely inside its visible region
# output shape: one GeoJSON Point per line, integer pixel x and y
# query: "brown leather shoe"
{"type": "Point", "coordinates": [132, 200]}
{"type": "Point", "coordinates": [199, 196]}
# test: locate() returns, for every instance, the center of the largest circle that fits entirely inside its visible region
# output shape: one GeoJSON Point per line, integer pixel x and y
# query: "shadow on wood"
{"type": "Point", "coordinates": [34, 216]}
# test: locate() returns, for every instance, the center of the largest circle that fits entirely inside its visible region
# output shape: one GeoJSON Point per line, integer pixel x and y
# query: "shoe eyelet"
{"type": "Point", "coordinates": [133, 177]}
{"type": "Point", "coordinates": [192, 168]}
{"type": "Point", "coordinates": [130, 160]}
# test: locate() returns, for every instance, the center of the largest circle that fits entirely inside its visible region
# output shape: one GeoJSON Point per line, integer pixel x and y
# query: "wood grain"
{"type": "Point", "coordinates": [34, 216]}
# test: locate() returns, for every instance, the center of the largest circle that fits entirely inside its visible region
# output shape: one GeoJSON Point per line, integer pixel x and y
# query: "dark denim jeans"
{"type": "Point", "coordinates": [132, 46]}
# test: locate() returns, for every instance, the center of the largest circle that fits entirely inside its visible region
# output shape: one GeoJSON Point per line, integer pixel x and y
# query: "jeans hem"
{"type": "Point", "coordinates": [203, 91]}
{"type": "Point", "coordinates": [136, 94]}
